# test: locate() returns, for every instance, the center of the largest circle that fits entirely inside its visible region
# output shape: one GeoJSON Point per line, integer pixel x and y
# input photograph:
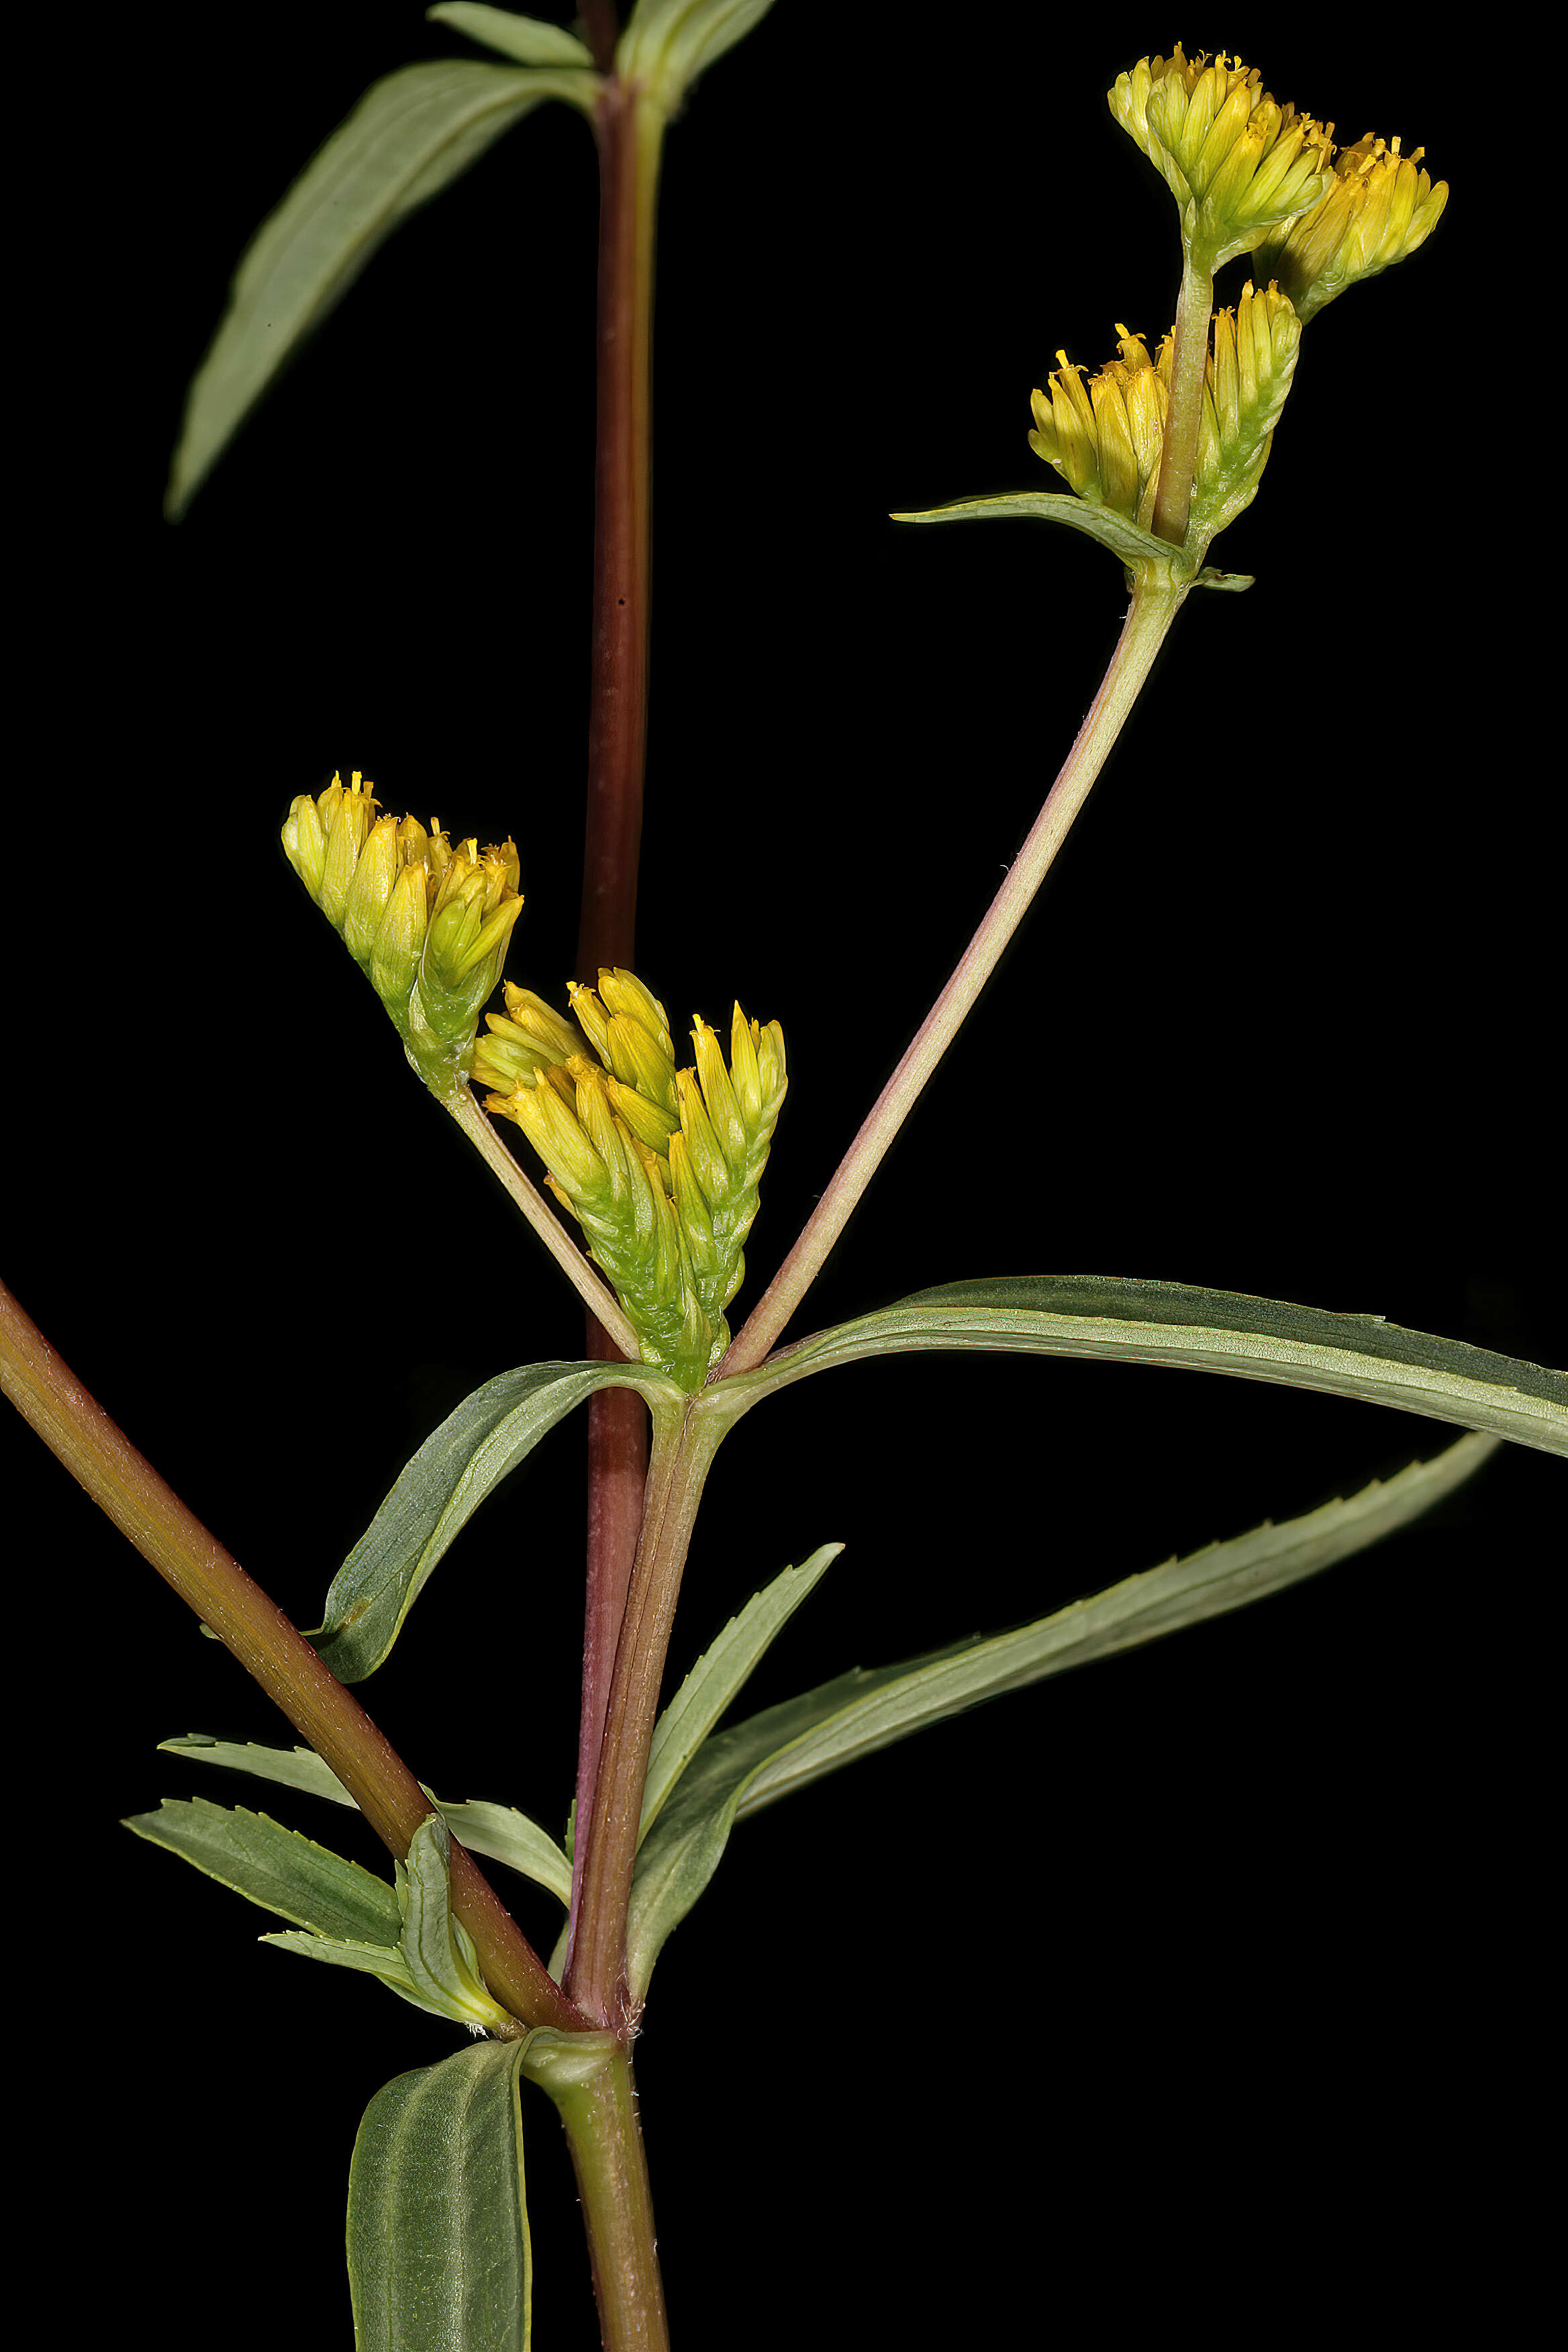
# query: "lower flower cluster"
{"type": "Point", "coordinates": [659, 1165]}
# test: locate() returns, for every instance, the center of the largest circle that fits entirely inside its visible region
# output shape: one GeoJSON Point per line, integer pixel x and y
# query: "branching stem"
{"type": "Point", "coordinates": [1154, 607]}
{"type": "Point", "coordinates": [1183, 414]}
{"type": "Point", "coordinates": [125, 1485]}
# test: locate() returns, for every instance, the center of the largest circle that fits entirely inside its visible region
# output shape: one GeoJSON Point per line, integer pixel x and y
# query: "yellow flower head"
{"type": "Point", "coordinates": [660, 1166]}
{"type": "Point", "coordinates": [427, 921]}
{"type": "Point", "coordinates": [1379, 208]}
{"type": "Point", "coordinates": [1104, 436]}
{"type": "Point", "coordinates": [1236, 161]}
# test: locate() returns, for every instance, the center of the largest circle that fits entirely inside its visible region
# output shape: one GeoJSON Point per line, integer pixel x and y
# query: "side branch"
{"type": "Point", "coordinates": [125, 1485]}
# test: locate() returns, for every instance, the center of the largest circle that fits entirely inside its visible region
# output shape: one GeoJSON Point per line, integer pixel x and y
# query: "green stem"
{"type": "Point", "coordinates": [124, 1484]}
{"type": "Point", "coordinates": [1183, 414]}
{"type": "Point", "coordinates": [1155, 606]}
{"type": "Point", "coordinates": [684, 1444]}
{"type": "Point", "coordinates": [589, 2077]}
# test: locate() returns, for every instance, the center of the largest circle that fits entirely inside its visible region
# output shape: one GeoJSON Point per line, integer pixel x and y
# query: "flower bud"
{"type": "Point", "coordinates": [429, 923]}
{"type": "Point", "coordinates": [659, 1166]}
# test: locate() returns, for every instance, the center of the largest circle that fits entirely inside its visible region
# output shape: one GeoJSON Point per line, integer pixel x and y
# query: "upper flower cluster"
{"type": "Point", "coordinates": [1252, 176]}
{"type": "Point", "coordinates": [427, 921]}
{"type": "Point", "coordinates": [1236, 161]}
{"type": "Point", "coordinates": [659, 1165]}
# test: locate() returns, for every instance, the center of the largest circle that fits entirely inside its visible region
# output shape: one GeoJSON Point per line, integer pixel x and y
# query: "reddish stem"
{"type": "Point", "coordinates": [125, 1485]}
{"type": "Point", "coordinates": [618, 737]}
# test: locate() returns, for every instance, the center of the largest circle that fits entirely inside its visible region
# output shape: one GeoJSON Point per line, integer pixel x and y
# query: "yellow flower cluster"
{"type": "Point", "coordinates": [1237, 163]}
{"type": "Point", "coordinates": [1379, 208]}
{"type": "Point", "coordinates": [1104, 433]}
{"type": "Point", "coordinates": [659, 1166]}
{"type": "Point", "coordinates": [427, 921]}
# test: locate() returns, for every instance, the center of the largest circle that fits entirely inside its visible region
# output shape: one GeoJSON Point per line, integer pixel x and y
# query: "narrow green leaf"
{"type": "Point", "coordinates": [440, 2259]}
{"type": "Point", "coordinates": [737, 1772]}
{"type": "Point", "coordinates": [386, 1965]}
{"type": "Point", "coordinates": [497, 1831]}
{"type": "Point", "coordinates": [436, 1949]}
{"type": "Point", "coordinates": [525, 38]}
{"type": "Point", "coordinates": [1139, 549]}
{"type": "Point", "coordinates": [410, 136]}
{"type": "Point", "coordinates": [668, 43]}
{"type": "Point", "coordinates": [1201, 1330]}
{"type": "Point", "coordinates": [277, 1868]}
{"type": "Point", "coordinates": [719, 1675]}
{"type": "Point", "coordinates": [440, 1489]}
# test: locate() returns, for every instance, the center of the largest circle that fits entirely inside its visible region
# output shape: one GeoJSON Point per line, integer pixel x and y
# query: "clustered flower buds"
{"type": "Point", "coordinates": [1378, 208]}
{"type": "Point", "coordinates": [427, 922]}
{"type": "Point", "coordinates": [659, 1166]}
{"type": "Point", "coordinates": [1237, 163]}
{"type": "Point", "coordinates": [1105, 436]}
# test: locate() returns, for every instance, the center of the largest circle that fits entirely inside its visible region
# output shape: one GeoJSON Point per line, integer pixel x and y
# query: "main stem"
{"type": "Point", "coordinates": [630, 132]}
{"type": "Point", "coordinates": [1154, 607]}
{"type": "Point", "coordinates": [683, 1449]}
{"type": "Point", "coordinates": [125, 1485]}
{"type": "Point", "coordinates": [1183, 413]}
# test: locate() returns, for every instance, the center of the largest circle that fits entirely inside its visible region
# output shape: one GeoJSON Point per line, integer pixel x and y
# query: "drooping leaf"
{"type": "Point", "coordinates": [668, 43]}
{"type": "Point", "coordinates": [497, 1831]}
{"type": "Point", "coordinates": [440, 2259]}
{"type": "Point", "coordinates": [719, 1675]}
{"type": "Point", "coordinates": [1202, 1330]}
{"type": "Point", "coordinates": [737, 1771]}
{"type": "Point", "coordinates": [410, 135]}
{"type": "Point", "coordinates": [487, 1434]}
{"type": "Point", "coordinates": [524, 38]}
{"type": "Point", "coordinates": [277, 1868]}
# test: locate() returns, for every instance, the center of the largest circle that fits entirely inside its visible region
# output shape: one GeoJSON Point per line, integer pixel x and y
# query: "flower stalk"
{"type": "Point", "coordinates": [1155, 604]}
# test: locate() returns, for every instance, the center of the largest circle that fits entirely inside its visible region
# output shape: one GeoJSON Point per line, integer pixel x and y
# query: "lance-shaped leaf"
{"type": "Point", "coordinates": [736, 1772]}
{"type": "Point", "coordinates": [437, 1948]}
{"type": "Point", "coordinates": [438, 2250]}
{"type": "Point", "coordinates": [717, 1679]}
{"type": "Point", "coordinates": [499, 1831]}
{"type": "Point", "coordinates": [1200, 1330]}
{"type": "Point", "coordinates": [409, 137]}
{"type": "Point", "coordinates": [1142, 554]}
{"type": "Point", "coordinates": [440, 1489]}
{"type": "Point", "coordinates": [277, 1868]}
{"type": "Point", "coordinates": [524, 38]}
{"type": "Point", "coordinates": [668, 43]}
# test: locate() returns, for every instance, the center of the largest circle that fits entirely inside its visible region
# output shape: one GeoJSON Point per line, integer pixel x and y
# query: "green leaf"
{"type": "Point", "coordinates": [497, 1831]}
{"type": "Point", "coordinates": [440, 1489]}
{"type": "Point", "coordinates": [525, 38]}
{"type": "Point", "coordinates": [409, 136]}
{"type": "Point", "coordinates": [440, 2259]}
{"type": "Point", "coordinates": [737, 1772]}
{"type": "Point", "coordinates": [277, 1868]}
{"type": "Point", "coordinates": [1200, 1330]}
{"type": "Point", "coordinates": [436, 1949]}
{"type": "Point", "coordinates": [1139, 550]}
{"type": "Point", "coordinates": [719, 1675]}
{"type": "Point", "coordinates": [668, 43]}
{"type": "Point", "coordinates": [386, 1964]}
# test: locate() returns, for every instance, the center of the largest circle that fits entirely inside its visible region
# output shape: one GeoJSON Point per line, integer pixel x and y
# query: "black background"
{"type": "Point", "coordinates": [1172, 1988]}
